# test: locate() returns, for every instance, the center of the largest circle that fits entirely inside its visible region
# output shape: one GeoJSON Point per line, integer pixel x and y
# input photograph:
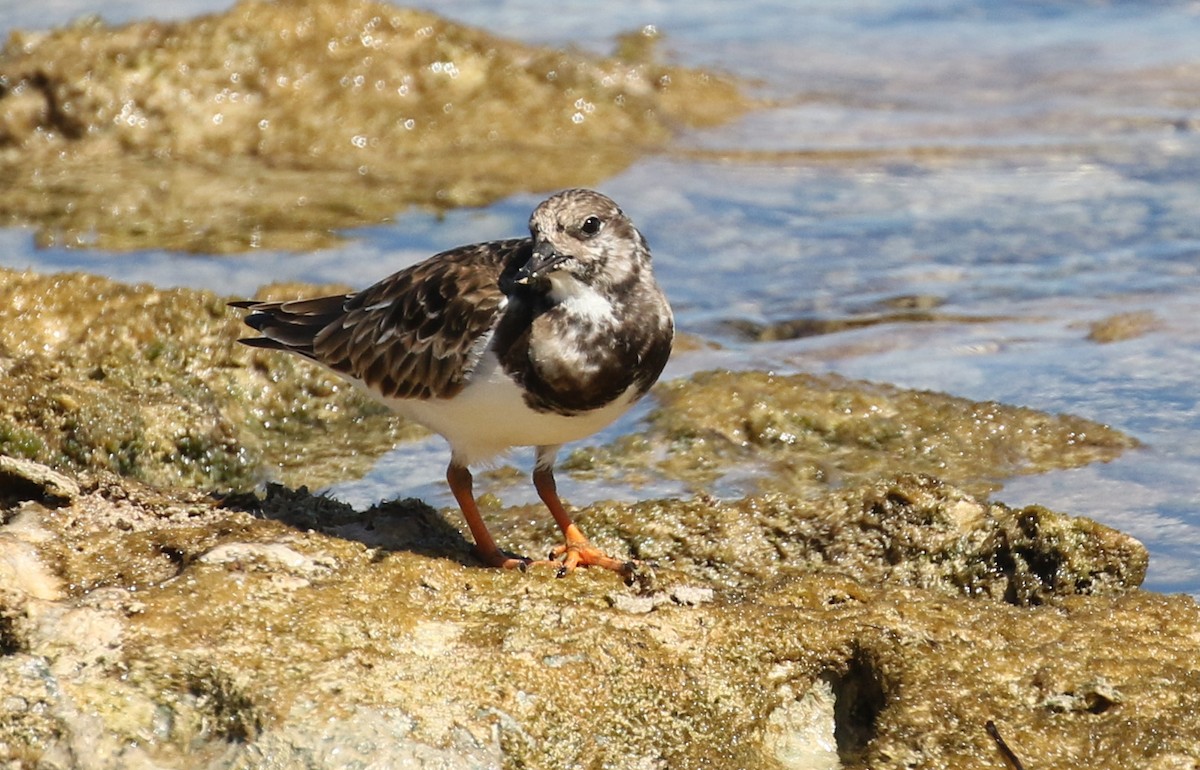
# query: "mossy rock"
{"type": "Point", "coordinates": [152, 384]}
{"type": "Point", "coordinates": [275, 124]}
{"type": "Point", "coordinates": [804, 434]}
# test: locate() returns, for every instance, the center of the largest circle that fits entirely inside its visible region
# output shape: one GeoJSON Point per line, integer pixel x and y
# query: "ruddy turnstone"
{"type": "Point", "coordinates": [526, 342]}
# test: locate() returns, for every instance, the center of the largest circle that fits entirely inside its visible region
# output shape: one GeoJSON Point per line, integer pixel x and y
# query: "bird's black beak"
{"type": "Point", "coordinates": [544, 258]}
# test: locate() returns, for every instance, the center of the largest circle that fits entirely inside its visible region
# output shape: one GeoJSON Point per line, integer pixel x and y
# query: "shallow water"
{"type": "Point", "coordinates": [1033, 168]}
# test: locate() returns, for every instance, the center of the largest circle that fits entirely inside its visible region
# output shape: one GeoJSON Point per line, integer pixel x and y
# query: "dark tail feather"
{"type": "Point", "coordinates": [290, 326]}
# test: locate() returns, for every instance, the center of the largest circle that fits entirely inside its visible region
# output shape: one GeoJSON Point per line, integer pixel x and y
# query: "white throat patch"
{"type": "Point", "coordinates": [579, 299]}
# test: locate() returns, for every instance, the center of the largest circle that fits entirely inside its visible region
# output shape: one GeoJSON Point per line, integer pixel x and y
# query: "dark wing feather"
{"type": "Point", "coordinates": [412, 335]}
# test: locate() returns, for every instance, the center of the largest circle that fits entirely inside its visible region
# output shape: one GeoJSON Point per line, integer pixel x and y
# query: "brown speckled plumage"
{"type": "Point", "coordinates": [531, 341]}
{"type": "Point", "coordinates": [412, 335]}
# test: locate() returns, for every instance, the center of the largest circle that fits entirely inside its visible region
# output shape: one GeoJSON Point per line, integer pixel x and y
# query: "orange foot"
{"type": "Point", "coordinates": [578, 552]}
{"type": "Point", "coordinates": [572, 555]}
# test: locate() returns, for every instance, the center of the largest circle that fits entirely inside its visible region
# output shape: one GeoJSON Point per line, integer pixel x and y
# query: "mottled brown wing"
{"type": "Point", "coordinates": [413, 334]}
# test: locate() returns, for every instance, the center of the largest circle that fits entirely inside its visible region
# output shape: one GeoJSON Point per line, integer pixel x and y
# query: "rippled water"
{"type": "Point", "coordinates": [1035, 167]}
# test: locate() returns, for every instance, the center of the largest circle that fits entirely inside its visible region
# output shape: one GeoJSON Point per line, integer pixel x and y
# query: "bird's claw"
{"type": "Point", "coordinates": [572, 555]}
{"type": "Point", "coordinates": [504, 561]}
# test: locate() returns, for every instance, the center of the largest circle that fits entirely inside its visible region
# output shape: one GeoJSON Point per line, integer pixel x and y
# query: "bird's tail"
{"type": "Point", "coordinates": [292, 325]}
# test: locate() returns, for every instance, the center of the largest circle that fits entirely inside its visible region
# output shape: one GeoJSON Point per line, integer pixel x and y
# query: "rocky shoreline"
{"type": "Point", "coordinates": [861, 610]}
{"type": "Point", "coordinates": [172, 594]}
{"type": "Point", "coordinates": [883, 625]}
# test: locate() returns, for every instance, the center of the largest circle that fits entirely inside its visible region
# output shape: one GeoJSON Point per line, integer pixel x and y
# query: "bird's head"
{"type": "Point", "coordinates": [582, 236]}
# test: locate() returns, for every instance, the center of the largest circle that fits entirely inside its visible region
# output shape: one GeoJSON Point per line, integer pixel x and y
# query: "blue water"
{"type": "Point", "coordinates": [1034, 165]}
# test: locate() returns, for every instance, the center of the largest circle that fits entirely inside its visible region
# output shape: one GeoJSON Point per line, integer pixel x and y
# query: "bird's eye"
{"type": "Point", "coordinates": [591, 226]}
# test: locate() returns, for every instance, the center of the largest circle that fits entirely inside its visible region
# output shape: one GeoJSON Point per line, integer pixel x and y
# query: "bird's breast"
{"type": "Point", "coordinates": [575, 349]}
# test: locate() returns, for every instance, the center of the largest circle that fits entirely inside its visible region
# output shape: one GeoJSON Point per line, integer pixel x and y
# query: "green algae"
{"type": "Point", "coordinates": [802, 434]}
{"type": "Point", "coordinates": [276, 123]}
{"type": "Point", "coordinates": [152, 384]}
{"type": "Point", "coordinates": [911, 529]}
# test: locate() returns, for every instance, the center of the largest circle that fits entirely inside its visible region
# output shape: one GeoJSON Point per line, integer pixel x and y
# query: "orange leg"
{"type": "Point", "coordinates": [577, 551]}
{"type": "Point", "coordinates": [459, 479]}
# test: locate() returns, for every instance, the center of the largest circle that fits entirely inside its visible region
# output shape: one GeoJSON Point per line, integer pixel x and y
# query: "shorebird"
{"type": "Point", "coordinates": [533, 341]}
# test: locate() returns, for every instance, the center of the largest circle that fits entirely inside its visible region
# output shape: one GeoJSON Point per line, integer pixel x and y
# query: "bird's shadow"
{"type": "Point", "coordinates": [408, 525]}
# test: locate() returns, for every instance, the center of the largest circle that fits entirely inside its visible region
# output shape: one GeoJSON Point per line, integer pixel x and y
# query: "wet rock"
{"type": "Point", "coordinates": [1123, 326]}
{"type": "Point", "coordinates": [914, 530]}
{"type": "Point", "coordinates": [803, 434]}
{"type": "Point", "coordinates": [795, 328]}
{"type": "Point", "coordinates": [277, 124]}
{"type": "Point", "coordinates": [151, 384]}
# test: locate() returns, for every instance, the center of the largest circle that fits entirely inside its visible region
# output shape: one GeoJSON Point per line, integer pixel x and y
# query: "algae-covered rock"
{"type": "Point", "coordinates": [879, 617]}
{"type": "Point", "coordinates": [152, 384]}
{"type": "Point", "coordinates": [803, 433]}
{"type": "Point", "coordinates": [1123, 326]}
{"type": "Point", "coordinates": [905, 309]}
{"type": "Point", "coordinates": [276, 123]}
{"type": "Point", "coordinates": [302, 633]}
{"type": "Point", "coordinates": [909, 529]}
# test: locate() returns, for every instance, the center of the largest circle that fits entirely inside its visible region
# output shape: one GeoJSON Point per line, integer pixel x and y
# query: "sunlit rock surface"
{"type": "Point", "coordinates": [283, 630]}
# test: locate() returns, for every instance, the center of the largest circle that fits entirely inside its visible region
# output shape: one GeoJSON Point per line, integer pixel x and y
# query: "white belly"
{"type": "Point", "coordinates": [490, 416]}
